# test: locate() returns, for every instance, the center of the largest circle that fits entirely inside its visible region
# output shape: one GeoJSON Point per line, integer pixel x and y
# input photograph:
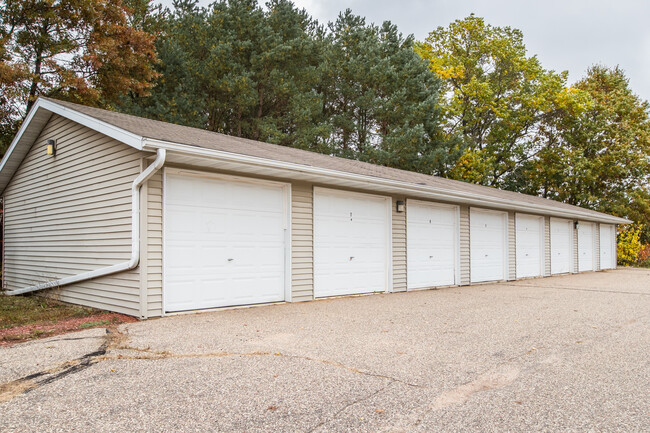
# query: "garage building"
{"type": "Point", "coordinates": [148, 218]}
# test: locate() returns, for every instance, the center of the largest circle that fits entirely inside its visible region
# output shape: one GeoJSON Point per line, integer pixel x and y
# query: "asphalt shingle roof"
{"type": "Point", "coordinates": [189, 136]}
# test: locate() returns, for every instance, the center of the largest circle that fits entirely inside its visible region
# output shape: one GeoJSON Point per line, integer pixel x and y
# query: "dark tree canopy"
{"type": "Point", "coordinates": [276, 75]}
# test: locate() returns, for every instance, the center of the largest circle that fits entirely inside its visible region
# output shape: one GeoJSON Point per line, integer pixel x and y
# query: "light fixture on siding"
{"type": "Point", "coordinates": [400, 206]}
{"type": "Point", "coordinates": [51, 147]}
{"type": "Point", "coordinates": [576, 225]}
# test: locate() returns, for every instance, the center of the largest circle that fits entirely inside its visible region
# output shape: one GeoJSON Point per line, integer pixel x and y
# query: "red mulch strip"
{"type": "Point", "coordinates": [11, 336]}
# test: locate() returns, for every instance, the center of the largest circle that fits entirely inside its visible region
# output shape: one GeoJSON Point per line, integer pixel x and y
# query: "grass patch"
{"type": "Point", "coordinates": [27, 310]}
{"type": "Point", "coordinates": [92, 324]}
{"type": "Point", "coordinates": [24, 318]}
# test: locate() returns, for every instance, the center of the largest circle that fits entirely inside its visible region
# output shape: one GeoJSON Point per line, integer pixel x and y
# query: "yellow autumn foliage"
{"type": "Point", "coordinates": [629, 244]}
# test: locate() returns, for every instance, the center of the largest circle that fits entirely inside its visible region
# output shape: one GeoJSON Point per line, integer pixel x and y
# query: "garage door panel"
{"type": "Point", "coordinates": [607, 249]}
{"type": "Point", "coordinates": [585, 247]}
{"type": "Point", "coordinates": [221, 247]}
{"type": "Point", "coordinates": [487, 245]}
{"type": "Point", "coordinates": [431, 244]}
{"type": "Point", "coordinates": [561, 246]}
{"type": "Point", "coordinates": [177, 218]}
{"type": "Point", "coordinates": [210, 259]}
{"type": "Point", "coordinates": [529, 232]}
{"type": "Point", "coordinates": [254, 197]}
{"type": "Point", "coordinates": [350, 243]}
{"type": "Point", "coordinates": [182, 192]}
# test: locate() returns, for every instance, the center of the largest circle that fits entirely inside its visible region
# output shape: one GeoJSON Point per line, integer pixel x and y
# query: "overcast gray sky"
{"type": "Point", "coordinates": [565, 34]}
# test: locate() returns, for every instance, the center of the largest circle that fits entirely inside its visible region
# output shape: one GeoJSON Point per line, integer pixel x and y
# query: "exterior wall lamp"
{"type": "Point", "coordinates": [401, 207]}
{"type": "Point", "coordinates": [51, 147]}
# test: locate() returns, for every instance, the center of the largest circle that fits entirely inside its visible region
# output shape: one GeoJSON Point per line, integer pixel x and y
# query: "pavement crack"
{"type": "Point", "coordinates": [28, 383]}
{"type": "Point", "coordinates": [348, 405]}
{"type": "Point", "coordinates": [73, 339]}
{"type": "Point", "coordinates": [115, 341]}
{"type": "Point", "coordinates": [499, 376]}
{"type": "Point", "coordinates": [621, 292]}
{"type": "Point", "coordinates": [353, 370]}
{"type": "Point", "coordinates": [148, 354]}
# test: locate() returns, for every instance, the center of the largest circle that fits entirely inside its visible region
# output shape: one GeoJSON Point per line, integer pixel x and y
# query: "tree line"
{"type": "Point", "coordinates": [468, 102]}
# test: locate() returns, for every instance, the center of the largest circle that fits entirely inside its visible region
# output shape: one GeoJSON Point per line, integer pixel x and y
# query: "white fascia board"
{"type": "Point", "coordinates": [19, 135]}
{"type": "Point", "coordinates": [405, 187]}
{"type": "Point", "coordinates": [112, 131]}
{"type": "Point", "coordinates": [119, 134]}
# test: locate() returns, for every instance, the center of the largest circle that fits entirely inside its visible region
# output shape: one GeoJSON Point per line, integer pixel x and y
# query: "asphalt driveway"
{"type": "Point", "coordinates": [568, 353]}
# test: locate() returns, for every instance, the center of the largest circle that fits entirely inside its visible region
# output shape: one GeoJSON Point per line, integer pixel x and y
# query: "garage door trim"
{"type": "Point", "coordinates": [456, 209]}
{"type": "Point", "coordinates": [389, 226]}
{"type": "Point", "coordinates": [286, 188]}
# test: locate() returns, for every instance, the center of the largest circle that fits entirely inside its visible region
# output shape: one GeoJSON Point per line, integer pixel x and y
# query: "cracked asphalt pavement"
{"type": "Point", "coordinates": [568, 353]}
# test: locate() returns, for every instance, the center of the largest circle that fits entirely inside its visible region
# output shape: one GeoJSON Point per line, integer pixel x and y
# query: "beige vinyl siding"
{"type": "Point", "coordinates": [399, 246]}
{"type": "Point", "coordinates": [72, 213]}
{"type": "Point", "coordinates": [302, 242]}
{"type": "Point", "coordinates": [547, 246]}
{"type": "Point", "coordinates": [153, 283]}
{"type": "Point", "coordinates": [512, 247]}
{"type": "Point", "coordinates": [575, 248]}
{"type": "Point", "coordinates": [464, 246]}
{"type": "Point", "coordinates": [596, 252]}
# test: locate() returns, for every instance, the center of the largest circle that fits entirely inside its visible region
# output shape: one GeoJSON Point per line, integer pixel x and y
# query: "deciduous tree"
{"type": "Point", "coordinates": [493, 96]}
{"type": "Point", "coordinates": [597, 157]}
{"type": "Point", "coordinates": [85, 51]}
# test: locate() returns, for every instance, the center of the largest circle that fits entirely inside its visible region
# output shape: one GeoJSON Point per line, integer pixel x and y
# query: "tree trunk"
{"type": "Point", "coordinates": [260, 111]}
{"type": "Point", "coordinates": [260, 91]}
{"type": "Point", "coordinates": [38, 54]}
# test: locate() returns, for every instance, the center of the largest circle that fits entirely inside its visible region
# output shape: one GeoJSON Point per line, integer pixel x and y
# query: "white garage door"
{"type": "Point", "coordinates": [351, 241]}
{"type": "Point", "coordinates": [585, 246]}
{"type": "Point", "coordinates": [561, 246]}
{"type": "Point", "coordinates": [224, 241]}
{"type": "Point", "coordinates": [487, 245]}
{"type": "Point", "coordinates": [607, 246]}
{"type": "Point", "coordinates": [530, 244]}
{"type": "Point", "coordinates": [432, 244]}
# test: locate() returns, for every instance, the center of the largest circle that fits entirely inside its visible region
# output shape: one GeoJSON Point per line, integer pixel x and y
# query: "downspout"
{"type": "Point", "coordinates": [135, 237]}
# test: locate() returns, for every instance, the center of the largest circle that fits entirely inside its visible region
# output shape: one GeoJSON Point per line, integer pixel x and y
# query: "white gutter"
{"type": "Point", "coordinates": [135, 237]}
{"type": "Point", "coordinates": [405, 187]}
